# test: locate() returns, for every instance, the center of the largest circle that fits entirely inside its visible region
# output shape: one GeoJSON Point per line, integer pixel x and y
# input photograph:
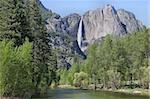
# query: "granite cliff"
{"type": "Point", "coordinates": [96, 24]}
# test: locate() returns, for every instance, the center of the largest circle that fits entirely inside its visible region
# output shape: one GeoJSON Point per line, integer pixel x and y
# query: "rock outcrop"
{"type": "Point", "coordinates": [54, 24]}
{"type": "Point", "coordinates": [96, 25]}
{"type": "Point", "coordinates": [130, 23]}
{"type": "Point", "coordinates": [71, 22]}
{"type": "Point", "coordinates": [67, 25]}
{"type": "Point", "coordinates": [64, 37]}
{"type": "Point", "coordinates": [100, 22]}
{"type": "Point", "coordinates": [63, 45]}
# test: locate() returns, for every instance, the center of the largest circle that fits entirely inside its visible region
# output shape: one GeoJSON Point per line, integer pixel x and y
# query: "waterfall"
{"type": "Point", "coordinates": [79, 35]}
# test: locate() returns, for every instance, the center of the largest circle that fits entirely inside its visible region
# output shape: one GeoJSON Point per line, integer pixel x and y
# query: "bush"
{"type": "Point", "coordinates": [81, 80]}
{"type": "Point", "coordinates": [114, 79]}
{"type": "Point", "coordinates": [15, 69]}
{"type": "Point", "coordinates": [144, 76]}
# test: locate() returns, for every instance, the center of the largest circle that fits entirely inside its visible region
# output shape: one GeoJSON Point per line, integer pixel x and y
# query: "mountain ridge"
{"type": "Point", "coordinates": [107, 20]}
{"type": "Point", "coordinates": [96, 24]}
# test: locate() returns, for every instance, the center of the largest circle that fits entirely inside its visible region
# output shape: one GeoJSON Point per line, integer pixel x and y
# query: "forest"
{"type": "Point", "coordinates": [28, 63]}
{"type": "Point", "coordinates": [114, 63]}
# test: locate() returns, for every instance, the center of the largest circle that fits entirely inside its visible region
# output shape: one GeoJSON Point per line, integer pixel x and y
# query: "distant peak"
{"type": "Point", "coordinates": [110, 9]}
{"type": "Point", "coordinates": [109, 6]}
{"type": "Point", "coordinates": [74, 14]}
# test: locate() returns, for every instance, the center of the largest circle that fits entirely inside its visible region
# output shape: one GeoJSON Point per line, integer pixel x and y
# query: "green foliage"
{"type": "Point", "coordinates": [143, 75]}
{"type": "Point", "coordinates": [92, 60]}
{"type": "Point", "coordinates": [81, 79]}
{"type": "Point", "coordinates": [14, 23]}
{"type": "Point", "coordinates": [43, 57]}
{"type": "Point", "coordinates": [26, 67]}
{"type": "Point", "coordinates": [64, 77]}
{"type": "Point", "coordinates": [20, 19]}
{"type": "Point", "coordinates": [114, 79]}
{"type": "Point", "coordinates": [67, 76]}
{"type": "Point", "coordinates": [15, 69]}
{"type": "Point", "coordinates": [116, 61]}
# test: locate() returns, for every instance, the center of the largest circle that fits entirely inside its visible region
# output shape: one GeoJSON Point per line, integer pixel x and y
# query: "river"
{"type": "Point", "coordinates": [86, 94]}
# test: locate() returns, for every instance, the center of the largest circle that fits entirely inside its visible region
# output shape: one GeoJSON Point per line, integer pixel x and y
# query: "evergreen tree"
{"type": "Point", "coordinates": [14, 23]}
{"type": "Point", "coordinates": [20, 19]}
{"type": "Point", "coordinates": [42, 51]}
{"type": "Point", "coordinates": [7, 20]}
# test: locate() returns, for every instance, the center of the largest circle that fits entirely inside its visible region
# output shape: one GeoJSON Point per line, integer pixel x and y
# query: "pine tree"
{"type": "Point", "coordinates": [7, 20]}
{"type": "Point", "coordinates": [14, 24]}
{"type": "Point", "coordinates": [42, 51]}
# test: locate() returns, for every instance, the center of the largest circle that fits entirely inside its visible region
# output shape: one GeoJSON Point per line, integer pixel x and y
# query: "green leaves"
{"type": "Point", "coordinates": [44, 59]}
{"type": "Point", "coordinates": [118, 59]}
{"type": "Point", "coordinates": [22, 19]}
{"type": "Point", "coordinates": [15, 69]}
{"type": "Point", "coordinates": [81, 79]}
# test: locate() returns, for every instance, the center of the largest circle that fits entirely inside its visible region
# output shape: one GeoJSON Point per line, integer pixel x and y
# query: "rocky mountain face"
{"type": "Point", "coordinates": [63, 45]}
{"type": "Point", "coordinates": [67, 25]}
{"type": "Point", "coordinates": [67, 28]}
{"type": "Point", "coordinates": [100, 22]}
{"type": "Point", "coordinates": [96, 24]}
{"type": "Point", "coordinates": [128, 20]}
{"type": "Point", "coordinates": [63, 32]}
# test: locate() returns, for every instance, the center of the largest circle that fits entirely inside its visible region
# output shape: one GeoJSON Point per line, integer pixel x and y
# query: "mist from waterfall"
{"type": "Point", "coordinates": [79, 34]}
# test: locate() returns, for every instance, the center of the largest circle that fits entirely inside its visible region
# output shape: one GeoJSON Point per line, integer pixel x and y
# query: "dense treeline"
{"type": "Point", "coordinates": [120, 61]}
{"type": "Point", "coordinates": [27, 61]}
{"type": "Point", "coordinates": [115, 63]}
{"type": "Point", "coordinates": [15, 68]}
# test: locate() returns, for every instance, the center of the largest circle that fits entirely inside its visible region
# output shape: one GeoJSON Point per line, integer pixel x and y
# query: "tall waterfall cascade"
{"type": "Point", "coordinates": [79, 34]}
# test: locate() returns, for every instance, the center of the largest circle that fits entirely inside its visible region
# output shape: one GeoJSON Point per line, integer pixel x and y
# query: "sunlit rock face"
{"type": "Point", "coordinates": [129, 20]}
{"type": "Point", "coordinates": [71, 22]}
{"type": "Point", "coordinates": [67, 27]}
{"type": "Point", "coordinates": [100, 22]}
{"type": "Point", "coordinates": [96, 24]}
{"type": "Point", "coordinates": [87, 29]}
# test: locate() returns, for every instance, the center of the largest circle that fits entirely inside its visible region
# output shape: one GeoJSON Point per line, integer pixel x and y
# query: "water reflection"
{"type": "Point", "coordinates": [86, 94]}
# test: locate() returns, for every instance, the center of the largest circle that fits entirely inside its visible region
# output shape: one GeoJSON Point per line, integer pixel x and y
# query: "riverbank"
{"type": "Point", "coordinates": [136, 91]}
{"type": "Point", "coordinates": [67, 87]}
{"type": "Point", "coordinates": [2, 97]}
{"type": "Point", "coordinates": [26, 96]}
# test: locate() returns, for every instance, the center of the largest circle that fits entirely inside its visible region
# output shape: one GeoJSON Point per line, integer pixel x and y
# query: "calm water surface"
{"type": "Point", "coordinates": [86, 94]}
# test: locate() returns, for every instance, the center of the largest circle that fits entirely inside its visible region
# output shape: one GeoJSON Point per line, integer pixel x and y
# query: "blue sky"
{"type": "Point", "coordinates": [141, 8]}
